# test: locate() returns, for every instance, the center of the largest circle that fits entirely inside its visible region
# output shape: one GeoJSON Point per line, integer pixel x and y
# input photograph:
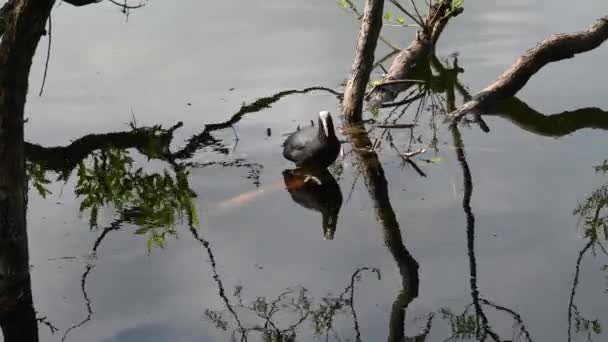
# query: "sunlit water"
{"type": "Point", "coordinates": [198, 62]}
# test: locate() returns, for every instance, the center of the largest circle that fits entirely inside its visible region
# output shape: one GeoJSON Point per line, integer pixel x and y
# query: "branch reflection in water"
{"type": "Point", "coordinates": [593, 214]}
{"type": "Point", "coordinates": [107, 175]}
{"type": "Point", "coordinates": [153, 201]}
{"type": "Point", "coordinates": [294, 305]}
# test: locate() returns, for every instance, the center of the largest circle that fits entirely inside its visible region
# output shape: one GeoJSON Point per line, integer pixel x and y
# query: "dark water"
{"type": "Point", "coordinates": [148, 236]}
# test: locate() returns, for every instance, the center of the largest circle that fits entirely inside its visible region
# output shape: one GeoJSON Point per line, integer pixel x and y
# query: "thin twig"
{"type": "Point", "coordinates": [401, 25]}
{"type": "Point", "coordinates": [383, 68]}
{"type": "Point", "coordinates": [416, 10]}
{"type": "Point", "coordinates": [125, 6]}
{"type": "Point", "coordinates": [394, 126]}
{"type": "Point", "coordinates": [48, 56]}
{"type": "Point", "coordinates": [409, 155]}
{"type": "Point", "coordinates": [407, 100]}
{"type": "Point", "coordinates": [416, 167]}
{"type": "Point", "coordinates": [236, 137]}
{"type": "Point", "coordinates": [383, 59]}
{"type": "Point", "coordinates": [405, 80]}
{"type": "Point", "coordinates": [83, 282]}
{"type": "Point", "coordinates": [359, 16]}
{"type": "Point", "coordinates": [516, 317]}
{"type": "Point", "coordinates": [44, 320]}
{"type": "Point", "coordinates": [406, 12]}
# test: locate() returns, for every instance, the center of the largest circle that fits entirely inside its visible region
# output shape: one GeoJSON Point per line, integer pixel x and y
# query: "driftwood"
{"type": "Point", "coordinates": [371, 24]}
{"type": "Point", "coordinates": [405, 63]}
{"type": "Point", "coordinates": [554, 48]}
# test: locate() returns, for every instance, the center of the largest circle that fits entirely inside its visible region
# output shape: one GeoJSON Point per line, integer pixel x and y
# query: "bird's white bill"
{"type": "Point", "coordinates": [325, 128]}
{"type": "Point", "coordinates": [324, 115]}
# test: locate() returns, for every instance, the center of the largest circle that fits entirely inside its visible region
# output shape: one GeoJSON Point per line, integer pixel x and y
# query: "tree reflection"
{"type": "Point", "coordinates": [437, 92]}
{"type": "Point", "coordinates": [17, 315]}
{"type": "Point", "coordinates": [594, 216]}
{"type": "Point", "coordinates": [106, 174]}
{"type": "Point", "coordinates": [475, 325]}
{"type": "Point", "coordinates": [279, 318]}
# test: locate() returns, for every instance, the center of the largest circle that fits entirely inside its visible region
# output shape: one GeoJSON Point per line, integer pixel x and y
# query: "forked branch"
{"type": "Point", "coordinates": [554, 48]}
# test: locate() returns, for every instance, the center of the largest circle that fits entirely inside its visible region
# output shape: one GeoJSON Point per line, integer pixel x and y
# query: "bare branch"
{"type": "Point", "coordinates": [406, 12]}
{"type": "Point", "coordinates": [554, 48]}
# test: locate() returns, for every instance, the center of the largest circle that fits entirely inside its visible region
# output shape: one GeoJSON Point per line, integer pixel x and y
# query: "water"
{"type": "Point", "coordinates": [198, 63]}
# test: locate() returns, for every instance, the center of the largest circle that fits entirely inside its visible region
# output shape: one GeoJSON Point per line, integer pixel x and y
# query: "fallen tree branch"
{"type": "Point", "coordinates": [405, 63]}
{"type": "Point", "coordinates": [554, 48]}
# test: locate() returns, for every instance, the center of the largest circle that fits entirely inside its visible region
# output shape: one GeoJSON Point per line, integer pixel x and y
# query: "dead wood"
{"type": "Point", "coordinates": [405, 63]}
{"type": "Point", "coordinates": [371, 24]}
{"type": "Point", "coordinates": [554, 48]}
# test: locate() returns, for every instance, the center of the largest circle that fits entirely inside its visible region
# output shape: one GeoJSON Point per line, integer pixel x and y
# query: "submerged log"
{"type": "Point", "coordinates": [554, 48]}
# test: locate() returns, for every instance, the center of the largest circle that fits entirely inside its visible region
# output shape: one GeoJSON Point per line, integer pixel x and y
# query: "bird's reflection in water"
{"type": "Point", "coordinates": [316, 190]}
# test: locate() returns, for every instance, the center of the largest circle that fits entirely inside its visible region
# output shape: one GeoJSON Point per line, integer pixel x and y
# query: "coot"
{"type": "Point", "coordinates": [313, 147]}
{"type": "Point", "coordinates": [325, 198]}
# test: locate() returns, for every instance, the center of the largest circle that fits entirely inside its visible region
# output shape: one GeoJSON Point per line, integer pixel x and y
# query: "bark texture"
{"type": "Point", "coordinates": [371, 25]}
{"type": "Point", "coordinates": [406, 62]}
{"type": "Point", "coordinates": [554, 48]}
{"type": "Point", "coordinates": [25, 23]}
{"type": "Point", "coordinates": [402, 68]}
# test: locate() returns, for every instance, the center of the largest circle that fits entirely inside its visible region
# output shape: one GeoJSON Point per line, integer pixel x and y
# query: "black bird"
{"type": "Point", "coordinates": [312, 147]}
{"type": "Point", "coordinates": [326, 198]}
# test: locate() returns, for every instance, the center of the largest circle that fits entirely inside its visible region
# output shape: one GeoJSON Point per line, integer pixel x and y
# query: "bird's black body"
{"type": "Point", "coordinates": [311, 147]}
{"type": "Point", "coordinates": [325, 198]}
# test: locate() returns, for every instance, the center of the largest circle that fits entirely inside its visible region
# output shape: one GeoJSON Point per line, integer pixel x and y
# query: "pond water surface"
{"type": "Point", "coordinates": [122, 250]}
